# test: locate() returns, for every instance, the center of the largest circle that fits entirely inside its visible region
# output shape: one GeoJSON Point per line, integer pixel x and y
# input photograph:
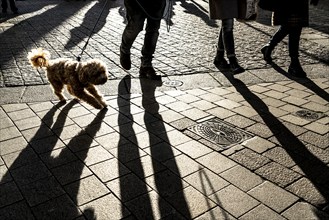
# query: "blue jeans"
{"type": "Point", "coordinates": [226, 39]}
{"type": "Point", "coordinates": [136, 18]}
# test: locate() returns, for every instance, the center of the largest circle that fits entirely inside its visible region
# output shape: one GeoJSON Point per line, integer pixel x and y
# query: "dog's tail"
{"type": "Point", "coordinates": [39, 57]}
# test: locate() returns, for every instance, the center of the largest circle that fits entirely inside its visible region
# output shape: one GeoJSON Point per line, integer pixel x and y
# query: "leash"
{"type": "Point", "coordinates": [92, 31]}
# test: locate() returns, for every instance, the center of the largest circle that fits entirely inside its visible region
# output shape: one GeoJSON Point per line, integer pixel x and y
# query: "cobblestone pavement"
{"type": "Point", "coordinates": [249, 146]}
{"type": "Point", "coordinates": [62, 27]}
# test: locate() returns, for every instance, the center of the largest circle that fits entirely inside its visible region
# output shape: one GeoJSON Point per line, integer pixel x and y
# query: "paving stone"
{"type": "Point", "coordinates": [175, 137]}
{"type": "Point", "coordinates": [12, 145]}
{"type": "Point", "coordinates": [220, 112]}
{"type": "Point", "coordinates": [227, 104]}
{"type": "Point", "coordinates": [211, 97]}
{"type": "Point", "coordinates": [273, 196]}
{"type": "Point", "coordinates": [80, 142]}
{"type": "Point", "coordinates": [46, 144]}
{"type": "Point", "coordinates": [278, 174]}
{"type": "Point", "coordinates": [33, 134]}
{"type": "Point", "coordinates": [6, 122]}
{"type": "Point", "coordinates": [182, 165]}
{"type": "Point", "coordinates": [320, 141]}
{"type": "Point", "coordinates": [8, 133]}
{"type": "Point", "coordinates": [145, 166]}
{"type": "Point", "coordinates": [216, 162]}
{"type": "Point", "coordinates": [142, 206]}
{"type": "Point", "coordinates": [303, 210]}
{"type": "Point", "coordinates": [29, 173]}
{"type": "Point", "coordinates": [258, 144]}
{"type": "Point", "coordinates": [178, 106]}
{"type": "Point", "coordinates": [99, 208]}
{"type": "Point", "coordinates": [58, 208]}
{"type": "Point", "coordinates": [203, 105]}
{"type": "Point", "coordinates": [234, 201]}
{"type": "Point", "coordinates": [57, 157]}
{"type": "Point", "coordinates": [9, 194]}
{"type": "Point", "coordinates": [116, 120]}
{"type": "Point", "coordinates": [190, 202]}
{"type": "Point", "coordinates": [4, 174]}
{"type": "Point", "coordinates": [42, 106]}
{"type": "Point", "coordinates": [295, 120]}
{"type": "Point", "coordinates": [21, 114]}
{"type": "Point", "coordinates": [17, 211]}
{"type": "Point", "coordinates": [216, 213]}
{"type": "Point", "coordinates": [42, 190]}
{"type": "Point", "coordinates": [309, 191]}
{"type": "Point", "coordinates": [116, 140]}
{"type": "Point", "coordinates": [280, 156]}
{"type": "Point", "coordinates": [70, 172]}
{"type": "Point", "coordinates": [128, 187]}
{"type": "Point", "coordinates": [239, 121]}
{"type": "Point", "coordinates": [20, 158]}
{"type": "Point", "coordinates": [261, 130]}
{"type": "Point", "coordinates": [28, 123]}
{"type": "Point", "coordinates": [261, 212]}
{"type": "Point", "coordinates": [194, 149]}
{"type": "Point", "coordinates": [182, 124]}
{"type": "Point", "coordinates": [194, 114]}
{"type": "Point", "coordinates": [166, 183]}
{"type": "Point", "coordinates": [14, 107]}
{"type": "Point", "coordinates": [316, 107]}
{"type": "Point", "coordinates": [241, 178]}
{"type": "Point", "coordinates": [162, 151]}
{"type": "Point", "coordinates": [273, 102]}
{"type": "Point", "coordinates": [250, 159]}
{"type": "Point", "coordinates": [206, 181]}
{"type": "Point", "coordinates": [109, 169]}
{"type": "Point", "coordinates": [94, 155]}
{"type": "Point", "coordinates": [86, 190]}
{"type": "Point", "coordinates": [318, 128]}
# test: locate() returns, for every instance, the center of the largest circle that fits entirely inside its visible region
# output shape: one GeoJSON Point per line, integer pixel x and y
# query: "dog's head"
{"type": "Point", "coordinates": [93, 72]}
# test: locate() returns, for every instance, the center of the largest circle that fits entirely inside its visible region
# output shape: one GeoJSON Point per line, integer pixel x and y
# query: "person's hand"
{"type": "Point", "coordinates": [314, 2]}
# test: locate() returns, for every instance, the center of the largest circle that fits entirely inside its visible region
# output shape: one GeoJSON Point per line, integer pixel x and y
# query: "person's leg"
{"type": "Point", "coordinates": [13, 6]}
{"type": "Point", "coordinates": [4, 6]}
{"type": "Point", "coordinates": [281, 33]}
{"type": "Point", "coordinates": [228, 40]}
{"type": "Point", "coordinates": [219, 60]}
{"type": "Point", "coordinates": [293, 44]}
{"type": "Point", "coordinates": [135, 18]}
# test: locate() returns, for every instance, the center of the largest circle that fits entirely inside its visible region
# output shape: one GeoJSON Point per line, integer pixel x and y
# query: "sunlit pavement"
{"type": "Point", "coordinates": [199, 144]}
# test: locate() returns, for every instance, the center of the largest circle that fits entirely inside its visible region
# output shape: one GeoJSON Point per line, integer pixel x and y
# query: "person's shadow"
{"type": "Point", "coordinates": [315, 170]}
{"type": "Point", "coordinates": [36, 181]}
{"type": "Point", "coordinates": [308, 83]}
{"type": "Point", "coordinates": [166, 181]}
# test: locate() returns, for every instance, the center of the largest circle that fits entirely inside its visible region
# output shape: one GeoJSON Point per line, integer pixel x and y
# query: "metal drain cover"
{"type": "Point", "coordinates": [309, 115]}
{"type": "Point", "coordinates": [220, 132]}
{"type": "Point", "coordinates": [172, 83]}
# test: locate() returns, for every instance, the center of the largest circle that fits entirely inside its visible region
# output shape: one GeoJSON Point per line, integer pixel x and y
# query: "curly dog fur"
{"type": "Point", "coordinates": [80, 78]}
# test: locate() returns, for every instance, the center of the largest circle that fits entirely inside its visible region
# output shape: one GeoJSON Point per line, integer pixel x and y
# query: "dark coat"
{"type": "Point", "coordinates": [153, 8]}
{"type": "Point", "coordinates": [292, 13]}
{"type": "Point", "coordinates": [223, 9]}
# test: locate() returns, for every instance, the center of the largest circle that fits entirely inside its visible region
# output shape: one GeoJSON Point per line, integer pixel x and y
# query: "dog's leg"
{"type": "Point", "coordinates": [82, 95]}
{"type": "Point", "coordinates": [58, 88]}
{"type": "Point", "coordinates": [94, 92]}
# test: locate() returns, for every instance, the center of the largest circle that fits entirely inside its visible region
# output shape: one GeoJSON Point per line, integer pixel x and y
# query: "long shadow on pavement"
{"type": "Point", "coordinates": [44, 192]}
{"type": "Point", "coordinates": [167, 181]}
{"type": "Point", "coordinates": [315, 170]}
{"type": "Point", "coordinates": [308, 83]}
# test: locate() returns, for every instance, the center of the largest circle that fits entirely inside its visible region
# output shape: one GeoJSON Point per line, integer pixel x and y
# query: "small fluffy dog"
{"type": "Point", "coordinates": [80, 78]}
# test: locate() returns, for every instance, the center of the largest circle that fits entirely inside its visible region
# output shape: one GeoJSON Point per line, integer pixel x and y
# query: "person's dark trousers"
{"type": "Point", "coordinates": [226, 39]}
{"type": "Point", "coordinates": [136, 18]}
{"type": "Point", "coordinates": [12, 4]}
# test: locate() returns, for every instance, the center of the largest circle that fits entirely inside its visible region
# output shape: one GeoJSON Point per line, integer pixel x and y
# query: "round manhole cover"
{"type": "Point", "coordinates": [309, 115]}
{"type": "Point", "coordinates": [173, 83]}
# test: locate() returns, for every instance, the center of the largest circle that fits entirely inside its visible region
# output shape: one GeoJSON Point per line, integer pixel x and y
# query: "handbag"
{"type": "Point", "coordinates": [269, 5]}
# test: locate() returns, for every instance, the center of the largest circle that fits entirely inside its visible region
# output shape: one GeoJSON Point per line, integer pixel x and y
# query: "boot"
{"type": "Point", "coordinates": [125, 60]}
{"type": "Point", "coordinates": [295, 69]}
{"type": "Point", "coordinates": [267, 51]}
{"type": "Point", "coordinates": [234, 65]}
{"type": "Point", "coordinates": [146, 70]}
{"type": "Point", "coordinates": [220, 62]}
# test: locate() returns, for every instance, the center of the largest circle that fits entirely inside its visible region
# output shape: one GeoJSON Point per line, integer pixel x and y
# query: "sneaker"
{"type": "Point", "coordinates": [221, 63]}
{"type": "Point", "coordinates": [148, 72]}
{"type": "Point", "coordinates": [125, 60]}
{"type": "Point", "coordinates": [235, 67]}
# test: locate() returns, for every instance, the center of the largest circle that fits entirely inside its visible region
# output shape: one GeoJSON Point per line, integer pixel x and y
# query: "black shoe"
{"type": "Point", "coordinates": [15, 11]}
{"type": "Point", "coordinates": [235, 67]}
{"type": "Point", "coordinates": [267, 51]}
{"type": "Point", "coordinates": [4, 11]}
{"type": "Point", "coordinates": [125, 60]}
{"type": "Point", "coordinates": [296, 70]}
{"type": "Point", "coordinates": [221, 63]}
{"type": "Point", "coordinates": [148, 72]}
